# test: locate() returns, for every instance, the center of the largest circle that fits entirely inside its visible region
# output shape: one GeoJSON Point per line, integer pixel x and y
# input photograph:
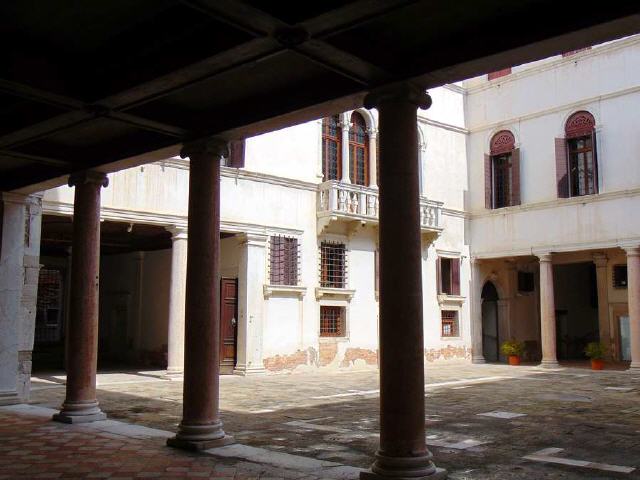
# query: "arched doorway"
{"type": "Point", "coordinates": [490, 330]}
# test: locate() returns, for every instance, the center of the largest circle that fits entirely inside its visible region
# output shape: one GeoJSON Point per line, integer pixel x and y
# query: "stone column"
{"type": "Point", "coordinates": [346, 125]}
{"type": "Point", "coordinates": [250, 304]}
{"type": "Point", "coordinates": [633, 288]}
{"type": "Point", "coordinates": [547, 312]}
{"type": "Point", "coordinates": [80, 404]}
{"type": "Point", "coordinates": [403, 452]}
{"type": "Point", "coordinates": [201, 427]}
{"type": "Point", "coordinates": [373, 158]}
{"type": "Point", "coordinates": [600, 261]}
{"type": "Point", "coordinates": [476, 312]}
{"type": "Point", "coordinates": [177, 290]}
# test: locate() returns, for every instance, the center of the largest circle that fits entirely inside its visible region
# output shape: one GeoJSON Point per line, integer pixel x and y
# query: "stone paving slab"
{"type": "Point", "coordinates": [333, 416]}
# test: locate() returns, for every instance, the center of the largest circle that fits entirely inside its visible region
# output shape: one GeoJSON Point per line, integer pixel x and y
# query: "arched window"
{"type": "Point", "coordinates": [358, 150]}
{"type": "Point", "coordinates": [582, 167]}
{"type": "Point", "coordinates": [502, 172]}
{"type": "Point", "coordinates": [331, 148]}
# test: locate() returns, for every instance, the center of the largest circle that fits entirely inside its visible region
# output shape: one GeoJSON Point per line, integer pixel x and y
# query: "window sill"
{"type": "Point", "coordinates": [333, 339]}
{"type": "Point", "coordinates": [284, 291]}
{"type": "Point", "coordinates": [445, 300]}
{"type": "Point", "coordinates": [341, 293]}
{"type": "Point", "coordinates": [448, 339]}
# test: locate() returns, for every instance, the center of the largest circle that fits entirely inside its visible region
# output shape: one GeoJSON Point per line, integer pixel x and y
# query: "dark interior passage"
{"type": "Point", "coordinates": [490, 327]}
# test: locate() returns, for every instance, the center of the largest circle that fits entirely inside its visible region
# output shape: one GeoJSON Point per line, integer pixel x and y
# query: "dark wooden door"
{"type": "Point", "coordinates": [228, 323]}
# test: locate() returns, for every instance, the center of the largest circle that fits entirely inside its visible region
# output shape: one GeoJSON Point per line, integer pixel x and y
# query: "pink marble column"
{"type": "Point", "coordinates": [80, 404]}
{"type": "Point", "coordinates": [201, 427]}
{"type": "Point", "coordinates": [633, 289]}
{"type": "Point", "coordinates": [547, 312]}
{"type": "Point", "coordinates": [403, 452]}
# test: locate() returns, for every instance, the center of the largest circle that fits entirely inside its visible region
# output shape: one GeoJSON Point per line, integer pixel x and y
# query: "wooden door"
{"type": "Point", "coordinates": [228, 323]}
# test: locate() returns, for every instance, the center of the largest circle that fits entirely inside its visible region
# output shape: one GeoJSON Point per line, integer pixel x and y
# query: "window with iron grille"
{"type": "Point", "coordinates": [332, 321]}
{"type": "Point", "coordinates": [358, 150]}
{"type": "Point", "coordinates": [331, 148]}
{"type": "Point", "coordinates": [449, 323]}
{"type": "Point", "coordinates": [284, 260]}
{"type": "Point", "coordinates": [333, 265]}
{"type": "Point", "coordinates": [620, 276]}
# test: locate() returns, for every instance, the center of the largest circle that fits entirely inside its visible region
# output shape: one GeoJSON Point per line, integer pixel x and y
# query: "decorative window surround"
{"type": "Point", "coordinates": [284, 290]}
{"type": "Point", "coordinates": [341, 293]}
{"type": "Point", "coordinates": [450, 302]}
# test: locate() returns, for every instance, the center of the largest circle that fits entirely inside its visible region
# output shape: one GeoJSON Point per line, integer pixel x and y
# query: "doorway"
{"type": "Point", "coordinates": [228, 324]}
{"type": "Point", "coordinates": [490, 329]}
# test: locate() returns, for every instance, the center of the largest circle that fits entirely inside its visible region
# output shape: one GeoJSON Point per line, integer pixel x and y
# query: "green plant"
{"type": "Point", "coordinates": [512, 347]}
{"type": "Point", "coordinates": [595, 350]}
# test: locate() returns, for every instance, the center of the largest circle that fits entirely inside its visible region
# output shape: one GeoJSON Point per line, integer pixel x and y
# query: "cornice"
{"type": "Point", "coordinates": [555, 203]}
{"type": "Point", "coordinates": [445, 126]}
{"type": "Point", "coordinates": [553, 64]}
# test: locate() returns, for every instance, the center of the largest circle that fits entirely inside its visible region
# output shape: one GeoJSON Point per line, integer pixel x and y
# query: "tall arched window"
{"type": "Point", "coordinates": [502, 172]}
{"type": "Point", "coordinates": [331, 148]}
{"type": "Point", "coordinates": [581, 154]}
{"type": "Point", "coordinates": [358, 150]}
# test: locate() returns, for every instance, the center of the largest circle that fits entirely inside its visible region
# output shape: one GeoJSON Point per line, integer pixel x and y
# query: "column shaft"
{"type": "Point", "coordinates": [346, 125]}
{"type": "Point", "coordinates": [177, 295]}
{"type": "Point", "coordinates": [547, 312]}
{"type": "Point", "coordinates": [403, 451]}
{"type": "Point", "coordinates": [373, 159]}
{"type": "Point", "coordinates": [633, 287]}
{"type": "Point", "coordinates": [603, 303]}
{"type": "Point", "coordinates": [201, 426]}
{"type": "Point", "coordinates": [80, 403]}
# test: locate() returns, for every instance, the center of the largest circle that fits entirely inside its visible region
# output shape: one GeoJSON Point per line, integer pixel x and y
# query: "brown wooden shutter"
{"type": "Point", "coordinates": [439, 274]}
{"type": "Point", "coordinates": [455, 276]}
{"type": "Point", "coordinates": [292, 262]}
{"type": "Point", "coordinates": [236, 154]}
{"type": "Point", "coordinates": [487, 182]}
{"type": "Point", "coordinates": [596, 170]}
{"type": "Point", "coordinates": [515, 176]}
{"type": "Point", "coordinates": [562, 168]}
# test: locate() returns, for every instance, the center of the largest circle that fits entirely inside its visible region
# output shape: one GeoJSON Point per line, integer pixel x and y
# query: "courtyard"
{"type": "Point", "coordinates": [482, 421]}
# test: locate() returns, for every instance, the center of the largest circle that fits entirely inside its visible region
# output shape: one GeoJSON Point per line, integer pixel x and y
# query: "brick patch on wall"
{"type": "Point", "coordinates": [353, 354]}
{"type": "Point", "coordinates": [448, 353]}
{"type": "Point", "coordinates": [328, 352]}
{"type": "Point", "coordinates": [289, 362]}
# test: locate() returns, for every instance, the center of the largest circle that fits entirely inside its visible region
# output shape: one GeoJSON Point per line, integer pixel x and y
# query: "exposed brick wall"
{"type": "Point", "coordinates": [328, 352]}
{"type": "Point", "coordinates": [289, 362]}
{"type": "Point", "coordinates": [448, 353]}
{"type": "Point", "coordinates": [353, 354]}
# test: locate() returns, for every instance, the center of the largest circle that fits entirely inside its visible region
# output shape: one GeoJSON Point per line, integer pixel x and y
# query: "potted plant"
{"type": "Point", "coordinates": [514, 350]}
{"type": "Point", "coordinates": [596, 351]}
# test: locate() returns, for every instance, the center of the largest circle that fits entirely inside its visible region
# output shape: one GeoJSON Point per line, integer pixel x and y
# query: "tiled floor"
{"type": "Point", "coordinates": [483, 422]}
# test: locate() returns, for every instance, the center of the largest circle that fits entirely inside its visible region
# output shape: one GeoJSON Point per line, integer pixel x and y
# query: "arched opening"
{"type": "Point", "coordinates": [490, 329]}
{"type": "Point", "coordinates": [331, 148]}
{"type": "Point", "coordinates": [358, 150]}
{"type": "Point", "coordinates": [581, 154]}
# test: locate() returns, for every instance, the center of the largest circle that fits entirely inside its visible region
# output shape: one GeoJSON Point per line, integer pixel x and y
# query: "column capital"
{"type": "Point", "coordinates": [178, 232]}
{"type": "Point", "coordinates": [544, 257]}
{"type": "Point", "coordinates": [88, 176]}
{"type": "Point", "coordinates": [372, 132]}
{"type": "Point", "coordinates": [406, 92]}
{"type": "Point", "coordinates": [216, 147]}
{"type": "Point", "coordinates": [254, 239]}
{"type": "Point", "coordinates": [600, 260]}
{"type": "Point", "coordinates": [633, 250]}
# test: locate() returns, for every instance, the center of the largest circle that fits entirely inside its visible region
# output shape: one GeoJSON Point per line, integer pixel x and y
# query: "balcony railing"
{"type": "Point", "coordinates": [337, 200]}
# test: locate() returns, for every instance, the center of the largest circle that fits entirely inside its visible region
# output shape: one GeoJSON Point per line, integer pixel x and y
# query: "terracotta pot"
{"type": "Point", "coordinates": [514, 360]}
{"type": "Point", "coordinates": [597, 364]}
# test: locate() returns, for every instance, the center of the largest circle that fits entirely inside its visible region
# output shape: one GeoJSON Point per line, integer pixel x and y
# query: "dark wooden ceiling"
{"type": "Point", "coordinates": [90, 84]}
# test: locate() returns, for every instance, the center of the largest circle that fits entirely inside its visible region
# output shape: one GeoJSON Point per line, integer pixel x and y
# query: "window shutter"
{"type": "Point", "coordinates": [455, 276]}
{"type": "Point", "coordinates": [439, 274]}
{"type": "Point", "coordinates": [487, 181]}
{"type": "Point", "coordinates": [515, 176]}
{"type": "Point", "coordinates": [596, 170]}
{"type": "Point", "coordinates": [236, 154]}
{"type": "Point", "coordinates": [292, 258]}
{"type": "Point", "coordinates": [562, 168]}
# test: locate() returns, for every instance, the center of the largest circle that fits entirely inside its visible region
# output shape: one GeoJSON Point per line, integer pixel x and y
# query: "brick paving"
{"type": "Point", "coordinates": [333, 416]}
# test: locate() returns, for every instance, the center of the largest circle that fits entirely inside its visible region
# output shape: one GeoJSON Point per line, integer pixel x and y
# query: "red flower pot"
{"type": "Point", "coordinates": [597, 364]}
{"type": "Point", "coordinates": [514, 360]}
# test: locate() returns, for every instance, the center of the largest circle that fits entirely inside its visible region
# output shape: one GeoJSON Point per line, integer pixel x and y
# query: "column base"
{"type": "Point", "coordinates": [411, 468]}
{"type": "Point", "coordinates": [174, 374]}
{"type": "Point", "coordinates": [80, 412]}
{"type": "Point", "coordinates": [478, 360]}
{"type": "Point", "coordinates": [10, 398]}
{"type": "Point", "coordinates": [549, 364]}
{"type": "Point", "coordinates": [200, 437]}
{"type": "Point", "coordinates": [247, 371]}
{"type": "Point", "coordinates": [634, 367]}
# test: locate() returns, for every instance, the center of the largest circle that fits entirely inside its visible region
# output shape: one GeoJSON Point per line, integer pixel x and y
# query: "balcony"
{"type": "Point", "coordinates": [357, 205]}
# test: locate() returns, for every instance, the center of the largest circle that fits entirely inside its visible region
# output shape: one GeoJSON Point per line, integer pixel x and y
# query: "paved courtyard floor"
{"type": "Point", "coordinates": [483, 422]}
